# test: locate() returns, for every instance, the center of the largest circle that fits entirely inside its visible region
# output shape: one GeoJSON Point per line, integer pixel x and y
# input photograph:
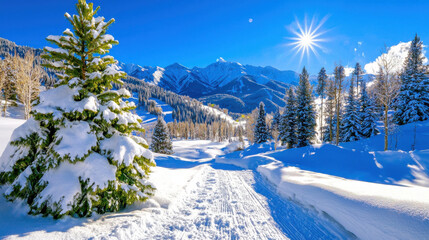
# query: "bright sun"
{"type": "Point", "coordinates": [307, 38]}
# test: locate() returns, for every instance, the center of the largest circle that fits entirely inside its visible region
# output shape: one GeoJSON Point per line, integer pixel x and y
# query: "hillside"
{"type": "Point", "coordinates": [221, 82]}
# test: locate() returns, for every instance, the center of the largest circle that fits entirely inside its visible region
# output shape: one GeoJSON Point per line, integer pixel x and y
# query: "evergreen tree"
{"type": "Point", "coordinates": [161, 141]}
{"type": "Point", "coordinates": [413, 99]}
{"type": "Point", "coordinates": [351, 123]}
{"type": "Point", "coordinates": [261, 130]}
{"type": "Point", "coordinates": [367, 114]}
{"type": "Point", "coordinates": [329, 129]}
{"type": "Point", "coordinates": [276, 121]}
{"type": "Point", "coordinates": [287, 128]}
{"type": "Point", "coordinates": [358, 72]}
{"type": "Point", "coordinates": [76, 154]}
{"type": "Point", "coordinates": [339, 75]}
{"type": "Point", "coordinates": [10, 72]}
{"type": "Point", "coordinates": [322, 79]}
{"type": "Point", "coordinates": [305, 113]}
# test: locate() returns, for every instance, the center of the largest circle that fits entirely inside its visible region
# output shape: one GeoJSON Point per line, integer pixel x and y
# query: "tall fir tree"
{"type": "Point", "coordinates": [413, 99]}
{"type": "Point", "coordinates": [351, 122]}
{"type": "Point", "coordinates": [261, 130]}
{"type": "Point", "coordinates": [329, 128]}
{"type": "Point", "coordinates": [76, 155]}
{"type": "Point", "coordinates": [276, 121]}
{"type": "Point", "coordinates": [322, 79]}
{"type": "Point", "coordinates": [339, 76]}
{"type": "Point", "coordinates": [288, 125]}
{"type": "Point", "coordinates": [357, 73]}
{"type": "Point", "coordinates": [305, 113]}
{"type": "Point", "coordinates": [367, 114]}
{"type": "Point", "coordinates": [161, 140]}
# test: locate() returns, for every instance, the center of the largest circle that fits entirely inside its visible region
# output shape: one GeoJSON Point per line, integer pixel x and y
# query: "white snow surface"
{"type": "Point", "coordinates": [354, 191]}
{"type": "Point", "coordinates": [195, 198]}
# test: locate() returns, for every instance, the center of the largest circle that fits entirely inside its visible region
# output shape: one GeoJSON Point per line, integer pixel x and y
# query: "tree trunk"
{"type": "Point", "coordinates": [321, 121]}
{"type": "Point", "coordinates": [386, 128]}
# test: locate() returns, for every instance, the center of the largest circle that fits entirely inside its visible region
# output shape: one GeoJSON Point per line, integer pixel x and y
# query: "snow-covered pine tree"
{"type": "Point", "coordinates": [261, 130]}
{"type": "Point", "coordinates": [358, 72]}
{"type": "Point", "coordinates": [367, 114]}
{"type": "Point", "coordinates": [322, 79]}
{"type": "Point", "coordinates": [413, 99]}
{"type": "Point", "coordinates": [305, 113]}
{"type": "Point", "coordinates": [329, 128]}
{"type": "Point", "coordinates": [351, 122]}
{"type": "Point", "coordinates": [161, 141]}
{"type": "Point", "coordinates": [339, 76]}
{"type": "Point", "coordinates": [276, 121]}
{"type": "Point", "coordinates": [287, 127]}
{"type": "Point", "coordinates": [76, 154]}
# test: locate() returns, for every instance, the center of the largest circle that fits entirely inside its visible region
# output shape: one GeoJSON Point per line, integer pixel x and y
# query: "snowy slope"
{"type": "Point", "coordinates": [372, 193]}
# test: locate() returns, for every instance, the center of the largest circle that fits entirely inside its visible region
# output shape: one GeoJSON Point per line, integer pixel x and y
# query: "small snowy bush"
{"type": "Point", "coordinates": [76, 154]}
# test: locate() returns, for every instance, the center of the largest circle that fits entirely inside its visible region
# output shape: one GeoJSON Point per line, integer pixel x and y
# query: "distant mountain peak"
{"type": "Point", "coordinates": [221, 60]}
{"type": "Point", "coordinates": [176, 66]}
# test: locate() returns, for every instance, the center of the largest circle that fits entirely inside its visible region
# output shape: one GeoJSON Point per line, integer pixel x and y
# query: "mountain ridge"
{"type": "Point", "coordinates": [229, 80]}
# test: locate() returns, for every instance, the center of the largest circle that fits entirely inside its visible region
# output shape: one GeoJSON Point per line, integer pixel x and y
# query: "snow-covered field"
{"type": "Point", "coordinates": [196, 198]}
{"type": "Point", "coordinates": [205, 191]}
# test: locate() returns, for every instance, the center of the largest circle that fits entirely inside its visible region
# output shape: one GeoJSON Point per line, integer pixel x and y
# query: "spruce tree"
{"type": "Point", "coordinates": [367, 114]}
{"type": "Point", "coordinates": [358, 72]}
{"type": "Point", "coordinates": [76, 155]}
{"type": "Point", "coordinates": [287, 127]}
{"type": "Point", "coordinates": [322, 79]}
{"type": "Point", "coordinates": [339, 76]}
{"type": "Point", "coordinates": [329, 128]}
{"type": "Point", "coordinates": [413, 99]}
{"type": "Point", "coordinates": [261, 130]}
{"type": "Point", "coordinates": [276, 121]}
{"type": "Point", "coordinates": [161, 141]}
{"type": "Point", "coordinates": [306, 115]}
{"type": "Point", "coordinates": [350, 125]}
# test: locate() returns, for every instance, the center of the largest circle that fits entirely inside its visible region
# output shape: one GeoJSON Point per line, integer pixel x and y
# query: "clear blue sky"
{"type": "Point", "coordinates": [197, 32]}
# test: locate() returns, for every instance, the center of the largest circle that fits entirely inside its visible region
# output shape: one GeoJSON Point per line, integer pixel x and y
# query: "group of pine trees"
{"type": "Point", "coordinates": [350, 115]}
{"type": "Point", "coordinates": [20, 80]}
{"type": "Point", "coordinates": [184, 108]}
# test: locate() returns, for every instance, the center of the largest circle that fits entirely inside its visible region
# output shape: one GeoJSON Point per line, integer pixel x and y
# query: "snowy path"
{"type": "Point", "coordinates": [195, 200]}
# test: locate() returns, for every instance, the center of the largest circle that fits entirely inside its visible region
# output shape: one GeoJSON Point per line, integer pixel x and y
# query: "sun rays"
{"type": "Point", "coordinates": [307, 37]}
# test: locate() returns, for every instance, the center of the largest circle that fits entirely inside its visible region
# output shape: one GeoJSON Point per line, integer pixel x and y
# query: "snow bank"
{"type": "Point", "coordinates": [369, 210]}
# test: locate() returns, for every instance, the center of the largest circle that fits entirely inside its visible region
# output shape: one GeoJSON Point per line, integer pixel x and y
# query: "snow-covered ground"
{"type": "Point", "coordinates": [196, 198]}
{"type": "Point", "coordinates": [207, 191]}
{"type": "Point", "coordinates": [372, 193]}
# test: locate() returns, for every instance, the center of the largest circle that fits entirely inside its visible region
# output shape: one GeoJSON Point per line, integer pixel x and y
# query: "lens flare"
{"type": "Point", "coordinates": [307, 38]}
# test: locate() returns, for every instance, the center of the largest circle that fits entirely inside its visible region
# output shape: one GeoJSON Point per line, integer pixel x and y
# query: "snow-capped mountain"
{"type": "Point", "coordinates": [220, 82]}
